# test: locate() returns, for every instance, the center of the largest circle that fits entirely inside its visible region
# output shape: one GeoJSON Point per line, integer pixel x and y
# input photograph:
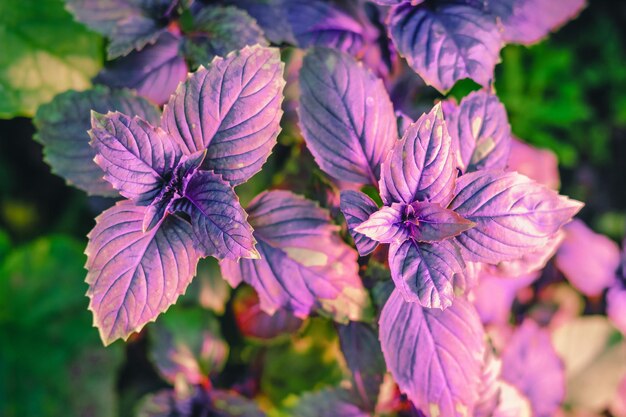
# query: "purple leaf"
{"type": "Point", "coordinates": [616, 306]}
{"type": "Point", "coordinates": [427, 273]}
{"type": "Point", "coordinates": [540, 165]}
{"type": "Point", "coordinates": [392, 2]}
{"type": "Point", "coordinates": [530, 363]}
{"type": "Point", "coordinates": [435, 356]}
{"type": "Point", "coordinates": [588, 260]}
{"type": "Point", "coordinates": [530, 262]}
{"type": "Point", "coordinates": [387, 225]}
{"type": "Point", "coordinates": [346, 116]}
{"type": "Point", "coordinates": [232, 109]}
{"type": "Point", "coordinates": [271, 16]}
{"type": "Point", "coordinates": [361, 349]}
{"type": "Point", "coordinates": [480, 130]}
{"type": "Point", "coordinates": [303, 263]}
{"type": "Point", "coordinates": [513, 215]}
{"type": "Point", "coordinates": [446, 42]}
{"type": "Point", "coordinates": [528, 21]}
{"type": "Point", "coordinates": [219, 223]}
{"type": "Point", "coordinates": [103, 15]}
{"type": "Point", "coordinates": [356, 208]}
{"type": "Point", "coordinates": [421, 166]}
{"type": "Point", "coordinates": [218, 30]}
{"type": "Point", "coordinates": [134, 276]}
{"type": "Point", "coordinates": [330, 402]}
{"type": "Point", "coordinates": [62, 127]}
{"type": "Point", "coordinates": [134, 156]}
{"type": "Point", "coordinates": [154, 72]}
{"type": "Point", "coordinates": [134, 32]}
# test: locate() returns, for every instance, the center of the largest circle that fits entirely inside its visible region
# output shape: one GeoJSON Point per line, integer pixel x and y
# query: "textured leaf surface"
{"type": "Point", "coordinates": [102, 15]}
{"type": "Point", "coordinates": [527, 21]}
{"type": "Point", "coordinates": [346, 116]}
{"type": "Point", "coordinates": [154, 72]}
{"type": "Point", "coordinates": [427, 273]}
{"type": "Point", "coordinates": [135, 276]}
{"type": "Point", "coordinates": [446, 42]}
{"type": "Point", "coordinates": [44, 52]}
{"type": "Point", "coordinates": [303, 261]}
{"type": "Point", "coordinates": [480, 131]}
{"type": "Point", "coordinates": [531, 364]}
{"type": "Point", "coordinates": [218, 220]}
{"type": "Point", "coordinates": [356, 208]}
{"type": "Point", "coordinates": [232, 108]}
{"type": "Point", "coordinates": [435, 356]}
{"type": "Point", "coordinates": [133, 33]}
{"type": "Point", "coordinates": [513, 214]}
{"type": "Point", "coordinates": [421, 166]}
{"type": "Point", "coordinates": [62, 127]}
{"type": "Point", "coordinates": [331, 402]}
{"type": "Point", "coordinates": [134, 156]}
{"type": "Point", "coordinates": [271, 16]}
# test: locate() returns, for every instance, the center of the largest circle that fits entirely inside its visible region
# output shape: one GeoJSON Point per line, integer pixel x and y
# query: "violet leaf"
{"type": "Point", "coordinates": [271, 17]}
{"type": "Point", "coordinates": [513, 215]}
{"type": "Point", "coordinates": [304, 265]}
{"type": "Point", "coordinates": [356, 208]}
{"type": "Point", "coordinates": [480, 130]}
{"type": "Point", "coordinates": [329, 402]}
{"type": "Point", "coordinates": [232, 109]}
{"type": "Point", "coordinates": [135, 157]}
{"type": "Point", "coordinates": [435, 356]}
{"type": "Point", "coordinates": [134, 276]}
{"type": "Point", "coordinates": [154, 72]}
{"type": "Point", "coordinates": [446, 42]}
{"type": "Point", "coordinates": [62, 126]}
{"type": "Point", "coordinates": [421, 166]}
{"type": "Point", "coordinates": [427, 273]}
{"type": "Point", "coordinates": [346, 116]}
{"type": "Point", "coordinates": [102, 15]}
{"type": "Point", "coordinates": [134, 32]}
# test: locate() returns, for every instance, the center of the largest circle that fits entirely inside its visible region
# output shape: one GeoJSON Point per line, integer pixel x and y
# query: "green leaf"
{"type": "Point", "coordinates": [44, 52]}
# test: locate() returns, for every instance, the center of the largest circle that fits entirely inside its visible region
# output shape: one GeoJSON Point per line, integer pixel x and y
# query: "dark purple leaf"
{"type": "Point", "coordinates": [346, 116]}
{"type": "Point", "coordinates": [480, 130]}
{"type": "Point", "coordinates": [420, 167]}
{"type": "Point", "coordinates": [103, 15]}
{"type": "Point", "coordinates": [330, 402]}
{"type": "Point", "coordinates": [134, 276]}
{"type": "Point", "coordinates": [446, 42]}
{"type": "Point", "coordinates": [62, 127]}
{"type": "Point", "coordinates": [232, 109]}
{"type": "Point", "coordinates": [356, 208]}
{"type": "Point", "coordinates": [435, 356]}
{"type": "Point", "coordinates": [392, 2]}
{"type": "Point", "coordinates": [513, 215]}
{"type": "Point", "coordinates": [154, 72]}
{"type": "Point", "coordinates": [134, 156]}
{"type": "Point", "coordinates": [271, 16]}
{"type": "Point", "coordinates": [427, 273]}
{"type": "Point", "coordinates": [304, 264]}
{"type": "Point", "coordinates": [134, 32]}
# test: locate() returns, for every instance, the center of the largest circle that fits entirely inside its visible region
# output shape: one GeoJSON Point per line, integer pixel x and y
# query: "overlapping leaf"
{"type": "Point", "coordinates": [332, 402]}
{"type": "Point", "coordinates": [356, 208]}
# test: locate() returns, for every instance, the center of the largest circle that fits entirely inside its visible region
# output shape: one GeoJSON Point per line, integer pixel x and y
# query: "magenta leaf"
{"type": "Point", "coordinates": [540, 165]}
{"type": "Point", "coordinates": [531, 364]}
{"type": "Point", "coordinates": [446, 42]}
{"type": "Point", "coordinates": [303, 264]}
{"type": "Point", "coordinates": [435, 356]}
{"type": "Point", "coordinates": [346, 116]}
{"type": "Point", "coordinates": [421, 166]}
{"type": "Point", "coordinates": [528, 21]}
{"type": "Point", "coordinates": [134, 156]}
{"type": "Point", "coordinates": [616, 306]}
{"type": "Point", "coordinates": [387, 225]}
{"type": "Point", "coordinates": [134, 276]}
{"type": "Point", "coordinates": [361, 349]}
{"type": "Point", "coordinates": [154, 72]}
{"type": "Point", "coordinates": [232, 109]}
{"type": "Point", "coordinates": [427, 273]}
{"type": "Point", "coordinates": [329, 402]}
{"type": "Point", "coordinates": [62, 127]}
{"type": "Point", "coordinates": [513, 215]}
{"type": "Point", "coordinates": [480, 130]}
{"type": "Point", "coordinates": [219, 223]}
{"type": "Point", "coordinates": [356, 208]}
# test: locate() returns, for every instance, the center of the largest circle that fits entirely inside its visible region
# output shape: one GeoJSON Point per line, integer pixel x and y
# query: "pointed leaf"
{"type": "Point", "coordinates": [271, 17]}
{"type": "Point", "coordinates": [346, 116]}
{"type": "Point", "coordinates": [435, 356]}
{"type": "Point", "coordinates": [134, 156]}
{"type": "Point", "coordinates": [330, 402]}
{"type": "Point", "coordinates": [62, 127]}
{"type": "Point", "coordinates": [446, 42]}
{"type": "Point", "coordinates": [421, 166]}
{"type": "Point", "coordinates": [386, 225]}
{"type": "Point", "coordinates": [133, 33]}
{"type": "Point", "coordinates": [135, 276]}
{"type": "Point", "coordinates": [303, 265]}
{"type": "Point", "coordinates": [480, 130]}
{"type": "Point", "coordinates": [154, 72]}
{"type": "Point", "coordinates": [219, 222]}
{"type": "Point", "coordinates": [232, 108]}
{"type": "Point", "coordinates": [513, 215]}
{"type": "Point", "coordinates": [427, 273]}
{"type": "Point", "coordinates": [356, 208]}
